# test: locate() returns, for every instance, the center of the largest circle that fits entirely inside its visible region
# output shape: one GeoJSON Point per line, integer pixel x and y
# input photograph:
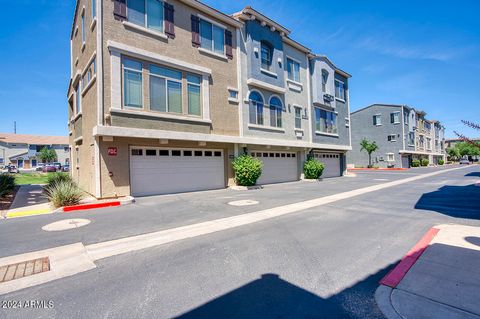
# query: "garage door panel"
{"type": "Point", "coordinates": [154, 175]}
{"type": "Point", "coordinates": [331, 162]}
{"type": "Point", "coordinates": [277, 169]}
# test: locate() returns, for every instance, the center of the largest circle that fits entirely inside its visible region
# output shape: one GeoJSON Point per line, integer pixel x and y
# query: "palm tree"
{"type": "Point", "coordinates": [369, 147]}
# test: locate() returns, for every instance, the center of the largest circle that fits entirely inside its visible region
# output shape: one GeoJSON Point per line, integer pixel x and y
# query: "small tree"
{"type": "Point", "coordinates": [47, 155]}
{"type": "Point", "coordinates": [369, 147]}
{"type": "Point", "coordinates": [453, 153]}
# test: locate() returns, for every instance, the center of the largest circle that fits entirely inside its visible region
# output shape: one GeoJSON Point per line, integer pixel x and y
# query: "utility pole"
{"type": "Point", "coordinates": [14, 127]}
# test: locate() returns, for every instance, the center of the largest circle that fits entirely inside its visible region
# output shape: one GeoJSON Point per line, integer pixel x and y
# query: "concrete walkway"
{"type": "Point", "coordinates": [29, 200]}
{"type": "Point", "coordinates": [443, 283]}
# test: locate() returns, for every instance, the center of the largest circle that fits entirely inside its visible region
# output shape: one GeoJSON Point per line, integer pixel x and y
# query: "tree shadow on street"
{"type": "Point", "coordinates": [454, 201]}
{"type": "Point", "coordinates": [473, 174]}
{"type": "Point", "coordinates": [272, 297]}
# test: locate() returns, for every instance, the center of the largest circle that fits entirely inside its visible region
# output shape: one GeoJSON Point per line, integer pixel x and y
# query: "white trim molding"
{"type": "Point", "coordinates": [155, 57]}
{"type": "Point", "coordinates": [126, 132]}
{"type": "Point", "coordinates": [161, 115]}
{"type": "Point", "coordinates": [266, 86]}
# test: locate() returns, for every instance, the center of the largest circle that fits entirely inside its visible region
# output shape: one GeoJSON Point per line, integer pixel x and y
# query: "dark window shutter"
{"type": "Point", "coordinates": [169, 20]}
{"type": "Point", "coordinates": [195, 31]}
{"type": "Point", "coordinates": [120, 9]}
{"type": "Point", "coordinates": [228, 44]}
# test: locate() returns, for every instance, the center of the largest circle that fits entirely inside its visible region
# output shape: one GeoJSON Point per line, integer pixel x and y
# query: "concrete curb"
{"type": "Point", "coordinates": [124, 201]}
{"type": "Point", "coordinates": [245, 188]}
{"type": "Point", "coordinates": [384, 302]}
{"type": "Point", "coordinates": [311, 180]}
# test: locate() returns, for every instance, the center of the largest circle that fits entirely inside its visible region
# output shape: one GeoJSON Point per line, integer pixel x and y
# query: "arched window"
{"type": "Point", "coordinates": [276, 109]}
{"type": "Point", "coordinates": [256, 108]}
{"type": "Point", "coordinates": [266, 56]}
{"type": "Point", "coordinates": [324, 80]}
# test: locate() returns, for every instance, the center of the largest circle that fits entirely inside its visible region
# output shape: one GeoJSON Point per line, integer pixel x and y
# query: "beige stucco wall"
{"type": "Point", "coordinates": [82, 126]}
{"type": "Point", "coordinates": [119, 166]}
{"type": "Point", "coordinates": [224, 115]}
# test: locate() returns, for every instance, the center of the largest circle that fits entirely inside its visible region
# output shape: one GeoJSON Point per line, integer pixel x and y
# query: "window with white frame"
{"type": "Point", "coordinates": [193, 91]}
{"type": "Point", "coordinates": [266, 55]}
{"type": "Point", "coordinates": [83, 28]}
{"type": "Point", "coordinates": [89, 73]}
{"type": "Point", "coordinates": [94, 9]}
{"type": "Point", "coordinates": [377, 119]}
{"type": "Point", "coordinates": [233, 94]}
{"type": "Point", "coordinates": [406, 117]}
{"type": "Point", "coordinates": [325, 121]}
{"type": "Point", "coordinates": [395, 117]}
{"type": "Point", "coordinates": [293, 70]}
{"type": "Point", "coordinates": [78, 100]}
{"type": "Point", "coordinates": [276, 109]}
{"type": "Point", "coordinates": [324, 80]}
{"type": "Point", "coordinates": [165, 89]}
{"type": "Point", "coordinates": [429, 143]}
{"type": "Point", "coordinates": [390, 157]}
{"type": "Point", "coordinates": [256, 108]}
{"type": "Point", "coordinates": [132, 83]}
{"type": "Point", "coordinates": [146, 13]}
{"type": "Point", "coordinates": [212, 37]}
{"type": "Point", "coordinates": [392, 138]}
{"type": "Point", "coordinates": [411, 138]}
{"type": "Point", "coordinates": [339, 90]}
{"type": "Point", "coordinates": [298, 117]}
{"type": "Point", "coordinates": [347, 122]}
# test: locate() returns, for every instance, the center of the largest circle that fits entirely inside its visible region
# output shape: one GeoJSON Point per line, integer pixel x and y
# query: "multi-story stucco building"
{"type": "Point", "coordinates": [163, 96]}
{"type": "Point", "coordinates": [22, 150]}
{"type": "Point", "coordinates": [401, 132]}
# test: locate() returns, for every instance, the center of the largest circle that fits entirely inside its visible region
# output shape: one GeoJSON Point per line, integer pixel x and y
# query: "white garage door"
{"type": "Point", "coordinates": [331, 162]}
{"type": "Point", "coordinates": [155, 171]}
{"type": "Point", "coordinates": [278, 167]}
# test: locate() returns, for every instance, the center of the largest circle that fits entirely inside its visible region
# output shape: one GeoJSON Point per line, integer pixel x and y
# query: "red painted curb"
{"type": "Point", "coordinates": [90, 206]}
{"type": "Point", "coordinates": [394, 276]}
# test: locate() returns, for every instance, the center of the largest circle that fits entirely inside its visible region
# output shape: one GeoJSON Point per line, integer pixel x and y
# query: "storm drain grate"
{"type": "Point", "coordinates": [24, 269]}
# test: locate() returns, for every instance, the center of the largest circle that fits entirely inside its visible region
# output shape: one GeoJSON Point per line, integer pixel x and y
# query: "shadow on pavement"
{"type": "Point", "coordinates": [272, 297]}
{"type": "Point", "coordinates": [454, 201]}
{"type": "Point", "coordinates": [473, 174]}
{"type": "Point", "coordinates": [473, 240]}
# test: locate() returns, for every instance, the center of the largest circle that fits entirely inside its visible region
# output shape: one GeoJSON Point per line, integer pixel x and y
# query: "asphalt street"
{"type": "Point", "coordinates": [323, 262]}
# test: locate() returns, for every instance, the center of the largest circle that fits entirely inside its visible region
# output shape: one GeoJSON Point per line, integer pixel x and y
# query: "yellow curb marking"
{"type": "Point", "coordinates": [29, 213]}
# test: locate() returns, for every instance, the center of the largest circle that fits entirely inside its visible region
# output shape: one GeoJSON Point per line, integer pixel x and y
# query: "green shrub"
{"type": "Point", "coordinates": [64, 193]}
{"type": "Point", "coordinates": [7, 184]}
{"type": "Point", "coordinates": [425, 162]}
{"type": "Point", "coordinates": [247, 170]}
{"type": "Point", "coordinates": [415, 163]}
{"type": "Point", "coordinates": [313, 169]}
{"type": "Point", "coordinates": [56, 178]}
{"type": "Point", "coordinates": [441, 162]}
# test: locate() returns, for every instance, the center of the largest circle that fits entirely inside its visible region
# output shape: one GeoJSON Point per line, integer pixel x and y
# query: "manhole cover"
{"type": "Point", "coordinates": [66, 224]}
{"type": "Point", "coordinates": [246, 202]}
{"type": "Point", "coordinates": [24, 269]}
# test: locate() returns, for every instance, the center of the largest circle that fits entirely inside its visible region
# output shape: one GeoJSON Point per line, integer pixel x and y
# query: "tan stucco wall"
{"type": "Point", "coordinates": [83, 171]}
{"type": "Point", "coordinates": [224, 115]}
{"type": "Point", "coordinates": [119, 183]}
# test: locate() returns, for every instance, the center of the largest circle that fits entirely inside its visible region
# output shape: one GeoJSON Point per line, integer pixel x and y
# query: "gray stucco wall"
{"type": "Point", "coordinates": [363, 127]}
{"type": "Point", "coordinates": [338, 106]}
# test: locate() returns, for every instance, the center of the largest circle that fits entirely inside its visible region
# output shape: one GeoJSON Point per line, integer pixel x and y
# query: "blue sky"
{"type": "Point", "coordinates": [422, 53]}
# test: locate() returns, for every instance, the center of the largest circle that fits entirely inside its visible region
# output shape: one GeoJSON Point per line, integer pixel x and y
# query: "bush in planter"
{"type": "Point", "coordinates": [64, 193]}
{"type": "Point", "coordinates": [441, 162]}
{"type": "Point", "coordinates": [7, 184]}
{"type": "Point", "coordinates": [247, 170]}
{"type": "Point", "coordinates": [56, 178]}
{"type": "Point", "coordinates": [313, 169]}
{"type": "Point", "coordinates": [425, 162]}
{"type": "Point", "coordinates": [415, 163]}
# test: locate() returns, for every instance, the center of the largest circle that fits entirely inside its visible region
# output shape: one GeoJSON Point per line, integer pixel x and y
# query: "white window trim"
{"type": "Point", "coordinates": [270, 110]}
{"type": "Point", "coordinates": [89, 85]}
{"type": "Point", "coordinates": [344, 91]}
{"type": "Point", "coordinates": [156, 114]}
{"type": "Point", "coordinates": [394, 137]}
{"type": "Point", "coordinates": [267, 86]}
{"type": "Point", "coordinates": [212, 53]}
{"type": "Point", "coordinates": [167, 79]}
{"type": "Point", "coordinates": [315, 122]}
{"type": "Point", "coordinates": [297, 107]}
{"type": "Point", "coordinates": [218, 24]}
{"type": "Point", "coordinates": [398, 112]}
{"type": "Point", "coordinates": [256, 113]}
{"type": "Point", "coordinates": [117, 49]}
{"type": "Point", "coordinates": [266, 127]}
{"type": "Point", "coordinates": [347, 122]}
{"type": "Point", "coordinates": [93, 24]}
{"type": "Point", "coordinates": [299, 68]}
{"type": "Point", "coordinates": [268, 72]}
{"type": "Point", "coordinates": [148, 31]}
{"type": "Point", "coordinates": [393, 157]}
{"type": "Point", "coordinates": [144, 28]}
{"type": "Point", "coordinates": [380, 114]}
{"type": "Point", "coordinates": [231, 99]}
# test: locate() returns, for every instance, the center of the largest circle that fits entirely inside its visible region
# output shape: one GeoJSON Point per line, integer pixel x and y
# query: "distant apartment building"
{"type": "Point", "coordinates": [22, 150]}
{"type": "Point", "coordinates": [163, 95]}
{"type": "Point", "coordinates": [401, 132]}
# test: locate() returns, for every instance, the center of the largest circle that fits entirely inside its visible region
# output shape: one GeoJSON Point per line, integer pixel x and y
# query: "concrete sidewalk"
{"type": "Point", "coordinates": [29, 200]}
{"type": "Point", "coordinates": [444, 282]}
